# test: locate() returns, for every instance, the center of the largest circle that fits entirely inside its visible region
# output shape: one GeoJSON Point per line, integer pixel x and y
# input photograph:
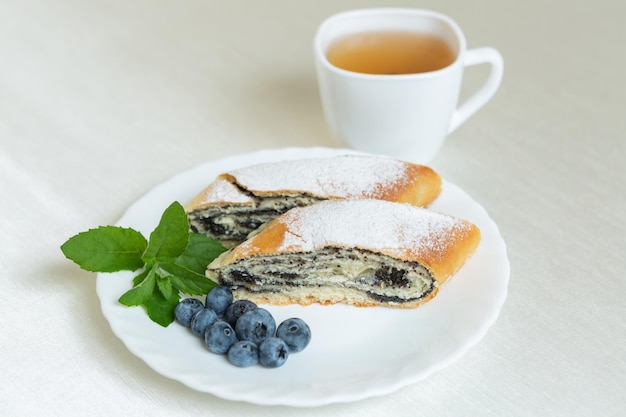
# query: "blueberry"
{"type": "Point", "coordinates": [273, 352]}
{"type": "Point", "coordinates": [243, 354]}
{"type": "Point", "coordinates": [296, 334]}
{"type": "Point", "coordinates": [219, 337]}
{"type": "Point", "coordinates": [202, 320]}
{"type": "Point", "coordinates": [185, 309]}
{"type": "Point", "coordinates": [218, 299]}
{"type": "Point", "coordinates": [255, 325]}
{"type": "Point", "coordinates": [237, 309]}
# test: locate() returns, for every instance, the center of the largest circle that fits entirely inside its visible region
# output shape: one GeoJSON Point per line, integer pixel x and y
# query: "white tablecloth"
{"type": "Point", "coordinates": [102, 100]}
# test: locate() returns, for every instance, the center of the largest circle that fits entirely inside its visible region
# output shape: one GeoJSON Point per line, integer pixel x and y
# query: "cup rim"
{"type": "Point", "coordinates": [321, 57]}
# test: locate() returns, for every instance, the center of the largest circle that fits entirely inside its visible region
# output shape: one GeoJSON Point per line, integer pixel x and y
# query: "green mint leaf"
{"type": "Point", "coordinates": [140, 277]}
{"type": "Point", "coordinates": [200, 251]}
{"type": "Point", "coordinates": [165, 286]}
{"type": "Point", "coordinates": [187, 281]}
{"type": "Point", "coordinates": [161, 309]}
{"type": "Point", "coordinates": [139, 294]}
{"type": "Point", "coordinates": [106, 249]}
{"type": "Point", "coordinates": [188, 286]}
{"type": "Point", "coordinates": [169, 239]}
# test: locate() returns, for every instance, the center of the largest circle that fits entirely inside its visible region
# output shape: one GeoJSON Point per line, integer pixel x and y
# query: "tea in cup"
{"type": "Point", "coordinates": [390, 79]}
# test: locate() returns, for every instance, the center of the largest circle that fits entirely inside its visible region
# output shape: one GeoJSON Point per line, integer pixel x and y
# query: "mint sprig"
{"type": "Point", "coordinates": [172, 261]}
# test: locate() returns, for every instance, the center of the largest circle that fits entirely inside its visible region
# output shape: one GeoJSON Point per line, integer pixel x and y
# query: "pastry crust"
{"type": "Point", "coordinates": [239, 201]}
{"type": "Point", "coordinates": [362, 252]}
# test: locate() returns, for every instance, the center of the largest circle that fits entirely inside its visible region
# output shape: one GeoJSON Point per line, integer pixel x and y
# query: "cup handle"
{"type": "Point", "coordinates": [485, 55]}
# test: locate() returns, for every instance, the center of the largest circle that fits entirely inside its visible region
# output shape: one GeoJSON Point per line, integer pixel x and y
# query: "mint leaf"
{"type": "Point", "coordinates": [106, 249]}
{"type": "Point", "coordinates": [161, 309]}
{"type": "Point", "coordinates": [170, 237]}
{"type": "Point", "coordinates": [165, 286]}
{"type": "Point", "coordinates": [141, 293]}
{"type": "Point", "coordinates": [200, 251]}
{"type": "Point", "coordinates": [139, 278]}
{"type": "Point", "coordinates": [186, 280]}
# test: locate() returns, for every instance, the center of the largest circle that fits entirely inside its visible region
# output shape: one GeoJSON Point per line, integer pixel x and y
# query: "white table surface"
{"type": "Point", "coordinates": [102, 100]}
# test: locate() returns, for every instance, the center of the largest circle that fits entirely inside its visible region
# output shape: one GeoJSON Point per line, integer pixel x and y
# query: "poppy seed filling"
{"type": "Point", "coordinates": [379, 277]}
{"type": "Point", "coordinates": [231, 224]}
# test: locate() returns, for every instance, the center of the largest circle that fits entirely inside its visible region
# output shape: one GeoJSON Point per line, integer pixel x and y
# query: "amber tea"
{"type": "Point", "coordinates": [403, 116]}
{"type": "Point", "coordinates": [390, 53]}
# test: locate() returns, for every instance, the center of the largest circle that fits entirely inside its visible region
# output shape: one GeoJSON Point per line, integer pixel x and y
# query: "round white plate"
{"type": "Point", "coordinates": [355, 353]}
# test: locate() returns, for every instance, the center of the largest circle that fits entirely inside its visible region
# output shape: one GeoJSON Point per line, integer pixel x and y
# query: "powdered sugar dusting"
{"type": "Point", "coordinates": [369, 224]}
{"type": "Point", "coordinates": [342, 176]}
{"type": "Point", "coordinates": [224, 191]}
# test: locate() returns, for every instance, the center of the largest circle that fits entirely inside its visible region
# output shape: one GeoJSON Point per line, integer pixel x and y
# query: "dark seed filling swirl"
{"type": "Point", "coordinates": [377, 277]}
{"type": "Point", "coordinates": [231, 224]}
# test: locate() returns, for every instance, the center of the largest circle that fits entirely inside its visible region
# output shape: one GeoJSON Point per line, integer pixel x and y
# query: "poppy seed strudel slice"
{"type": "Point", "coordinates": [360, 252]}
{"type": "Point", "coordinates": [239, 201]}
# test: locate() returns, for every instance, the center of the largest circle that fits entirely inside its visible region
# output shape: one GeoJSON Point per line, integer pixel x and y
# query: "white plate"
{"type": "Point", "coordinates": [355, 352]}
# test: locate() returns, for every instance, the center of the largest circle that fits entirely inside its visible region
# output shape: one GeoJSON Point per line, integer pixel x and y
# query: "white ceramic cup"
{"type": "Point", "coordinates": [406, 116]}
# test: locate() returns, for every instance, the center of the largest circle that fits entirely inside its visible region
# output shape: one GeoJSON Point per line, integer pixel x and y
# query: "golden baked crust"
{"type": "Point", "coordinates": [345, 176]}
{"type": "Point", "coordinates": [239, 201]}
{"type": "Point", "coordinates": [368, 243]}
